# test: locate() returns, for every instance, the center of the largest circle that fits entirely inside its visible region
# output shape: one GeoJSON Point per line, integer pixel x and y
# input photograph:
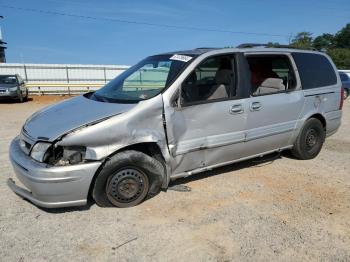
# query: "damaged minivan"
{"type": "Point", "coordinates": [174, 115]}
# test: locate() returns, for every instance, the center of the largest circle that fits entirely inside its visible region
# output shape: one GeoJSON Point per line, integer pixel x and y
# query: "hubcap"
{"type": "Point", "coordinates": [126, 186]}
{"type": "Point", "coordinates": [311, 138]}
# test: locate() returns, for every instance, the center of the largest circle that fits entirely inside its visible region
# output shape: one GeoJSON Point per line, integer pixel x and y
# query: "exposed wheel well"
{"type": "Point", "coordinates": [321, 118]}
{"type": "Point", "coordinates": [149, 148]}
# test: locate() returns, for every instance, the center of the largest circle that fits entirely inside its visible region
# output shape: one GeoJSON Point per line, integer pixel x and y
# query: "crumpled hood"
{"type": "Point", "coordinates": [54, 121]}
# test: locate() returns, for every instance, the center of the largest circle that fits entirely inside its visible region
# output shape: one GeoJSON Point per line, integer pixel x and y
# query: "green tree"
{"type": "Point", "coordinates": [302, 40]}
{"type": "Point", "coordinates": [273, 44]}
{"type": "Point", "coordinates": [342, 38]}
{"type": "Point", "coordinates": [324, 42]}
{"type": "Point", "coordinates": [341, 57]}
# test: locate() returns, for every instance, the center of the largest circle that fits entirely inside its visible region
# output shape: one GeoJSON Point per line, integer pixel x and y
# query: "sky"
{"type": "Point", "coordinates": [35, 37]}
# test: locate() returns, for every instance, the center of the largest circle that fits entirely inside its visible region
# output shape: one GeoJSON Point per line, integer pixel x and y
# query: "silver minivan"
{"type": "Point", "coordinates": [174, 115]}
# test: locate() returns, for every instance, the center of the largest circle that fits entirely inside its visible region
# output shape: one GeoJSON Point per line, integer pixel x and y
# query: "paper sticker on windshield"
{"type": "Point", "coordinates": [183, 58]}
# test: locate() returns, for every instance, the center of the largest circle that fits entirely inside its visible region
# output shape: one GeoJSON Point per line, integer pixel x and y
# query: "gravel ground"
{"type": "Point", "coordinates": [266, 209]}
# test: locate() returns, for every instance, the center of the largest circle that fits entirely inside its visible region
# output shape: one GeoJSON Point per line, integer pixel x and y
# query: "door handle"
{"type": "Point", "coordinates": [255, 106]}
{"type": "Point", "coordinates": [236, 109]}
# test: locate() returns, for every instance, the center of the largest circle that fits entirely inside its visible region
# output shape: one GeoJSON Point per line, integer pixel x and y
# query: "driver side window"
{"type": "Point", "coordinates": [213, 79]}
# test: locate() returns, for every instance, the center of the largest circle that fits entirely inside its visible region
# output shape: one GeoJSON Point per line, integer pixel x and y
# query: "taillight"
{"type": "Point", "coordinates": [341, 98]}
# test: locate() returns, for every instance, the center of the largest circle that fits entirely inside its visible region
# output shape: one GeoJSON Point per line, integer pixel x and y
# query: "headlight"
{"type": "Point", "coordinates": [67, 155]}
{"type": "Point", "coordinates": [39, 150]}
{"type": "Point", "coordinates": [73, 155]}
{"type": "Point", "coordinates": [13, 88]}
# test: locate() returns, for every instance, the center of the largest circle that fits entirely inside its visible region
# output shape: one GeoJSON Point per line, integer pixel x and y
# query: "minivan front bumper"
{"type": "Point", "coordinates": [50, 186]}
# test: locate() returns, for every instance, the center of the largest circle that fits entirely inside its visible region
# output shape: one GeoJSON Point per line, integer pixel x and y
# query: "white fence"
{"type": "Point", "coordinates": [61, 78]}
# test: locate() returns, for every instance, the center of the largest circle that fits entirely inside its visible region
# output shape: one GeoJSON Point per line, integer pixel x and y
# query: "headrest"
{"type": "Point", "coordinates": [223, 77]}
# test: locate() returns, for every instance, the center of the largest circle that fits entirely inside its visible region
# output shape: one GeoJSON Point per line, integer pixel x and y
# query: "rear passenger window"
{"type": "Point", "coordinates": [314, 70]}
{"type": "Point", "coordinates": [270, 74]}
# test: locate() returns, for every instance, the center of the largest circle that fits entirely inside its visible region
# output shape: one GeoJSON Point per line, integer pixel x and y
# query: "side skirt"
{"type": "Point", "coordinates": [203, 169]}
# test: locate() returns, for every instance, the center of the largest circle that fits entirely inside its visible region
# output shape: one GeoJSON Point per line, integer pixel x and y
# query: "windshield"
{"type": "Point", "coordinates": [8, 80]}
{"type": "Point", "coordinates": [144, 80]}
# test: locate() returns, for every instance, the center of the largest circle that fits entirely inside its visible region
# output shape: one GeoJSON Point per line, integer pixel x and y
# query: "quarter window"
{"type": "Point", "coordinates": [315, 70]}
{"type": "Point", "coordinates": [270, 74]}
{"type": "Point", "coordinates": [213, 79]}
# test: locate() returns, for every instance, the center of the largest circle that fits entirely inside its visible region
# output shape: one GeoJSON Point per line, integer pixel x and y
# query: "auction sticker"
{"type": "Point", "coordinates": [183, 58]}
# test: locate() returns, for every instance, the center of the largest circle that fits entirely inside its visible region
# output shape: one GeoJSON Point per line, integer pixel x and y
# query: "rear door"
{"type": "Point", "coordinates": [209, 126]}
{"type": "Point", "coordinates": [275, 103]}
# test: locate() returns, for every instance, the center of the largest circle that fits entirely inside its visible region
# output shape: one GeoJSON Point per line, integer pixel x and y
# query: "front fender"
{"type": "Point", "coordinates": [141, 124]}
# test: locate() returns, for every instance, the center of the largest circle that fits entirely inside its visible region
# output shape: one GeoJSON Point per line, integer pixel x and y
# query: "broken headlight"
{"type": "Point", "coordinates": [65, 155]}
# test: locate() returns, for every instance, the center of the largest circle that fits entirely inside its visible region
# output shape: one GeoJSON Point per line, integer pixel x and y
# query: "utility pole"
{"type": "Point", "coordinates": [2, 46]}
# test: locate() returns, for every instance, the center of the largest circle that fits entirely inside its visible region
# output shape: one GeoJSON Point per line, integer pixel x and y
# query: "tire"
{"type": "Point", "coordinates": [127, 179]}
{"type": "Point", "coordinates": [26, 97]}
{"type": "Point", "coordinates": [20, 97]}
{"type": "Point", "coordinates": [310, 140]}
{"type": "Point", "coordinates": [346, 93]}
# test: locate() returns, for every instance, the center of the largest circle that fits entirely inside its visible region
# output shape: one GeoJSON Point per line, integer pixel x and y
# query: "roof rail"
{"type": "Point", "coordinates": [207, 48]}
{"type": "Point", "coordinates": [251, 45]}
{"type": "Point", "coordinates": [271, 45]}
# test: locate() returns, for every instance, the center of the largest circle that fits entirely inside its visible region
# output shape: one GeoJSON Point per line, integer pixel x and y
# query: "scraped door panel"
{"type": "Point", "coordinates": [206, 134]}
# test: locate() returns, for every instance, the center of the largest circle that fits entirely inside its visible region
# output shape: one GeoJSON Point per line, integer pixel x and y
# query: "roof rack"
{"type": "Point", "coordinates": [206, 48]}
{"type": "Point", "coordinates": [251, 45]}
{"type": "Point", "coordinates": [270, 45]}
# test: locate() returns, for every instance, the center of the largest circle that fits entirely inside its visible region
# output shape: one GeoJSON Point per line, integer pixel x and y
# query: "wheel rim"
{"type": "Point", "coordinates": [126, 186]}
{"type": "Point", "coordinates": [345, 94]}
{"type": "Point", "coordinates": [311, 139]}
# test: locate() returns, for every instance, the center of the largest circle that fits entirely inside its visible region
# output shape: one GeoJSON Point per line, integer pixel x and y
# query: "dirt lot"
{"type": "Point", "coordinates": [276, 209]}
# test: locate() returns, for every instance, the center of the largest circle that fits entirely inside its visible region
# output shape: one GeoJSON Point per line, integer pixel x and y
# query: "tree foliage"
{"type": "Point", "coordinates": [341, 57]}
{"type": "Point", "coordinates": [302, 40]}
{"type": "Point", "coordinates": [323, 42]}
{"type": "Point", "coordinates": [337, 46]}
{"type": "Point", "coordinates": [342, 38]}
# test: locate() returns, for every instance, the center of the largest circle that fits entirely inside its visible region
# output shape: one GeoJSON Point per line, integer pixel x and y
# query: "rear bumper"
{"type": "Point", "coordinates": [48, 186]}
{"type": "Point", "coordinates": [333, 121]}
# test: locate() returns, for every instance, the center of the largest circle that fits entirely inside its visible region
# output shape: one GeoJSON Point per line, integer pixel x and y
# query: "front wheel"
{"type": "Point", "coordinates": [310, 140]}
{"type": "Point", "coordinates": [20, 97]}
{"type": "Point", "coordinates": [26, 96]}
{"type": "Point", "coordinates": [346, 93]}
{"type": "Point", "coordinates": [127, 179]}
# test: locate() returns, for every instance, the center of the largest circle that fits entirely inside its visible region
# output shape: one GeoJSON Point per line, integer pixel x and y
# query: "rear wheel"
{"type": "Point", "coordinates": [310, 140]}
{"type": "Point", "coordinates": [346, 93]}
{"type": "Point", "coordinates": [127, 179]}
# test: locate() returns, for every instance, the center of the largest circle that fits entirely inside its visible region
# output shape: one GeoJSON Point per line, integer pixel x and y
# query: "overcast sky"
{"type": "Point", "coordinates": [35, 37]}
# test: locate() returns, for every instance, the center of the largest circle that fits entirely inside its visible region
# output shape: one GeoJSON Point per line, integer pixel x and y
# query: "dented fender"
{"type": "Point", "coordinates": [141, 124]}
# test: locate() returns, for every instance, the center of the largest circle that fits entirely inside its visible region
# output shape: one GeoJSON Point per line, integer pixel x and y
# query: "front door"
{"type": "Point", "coordinates": [209, 126]}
